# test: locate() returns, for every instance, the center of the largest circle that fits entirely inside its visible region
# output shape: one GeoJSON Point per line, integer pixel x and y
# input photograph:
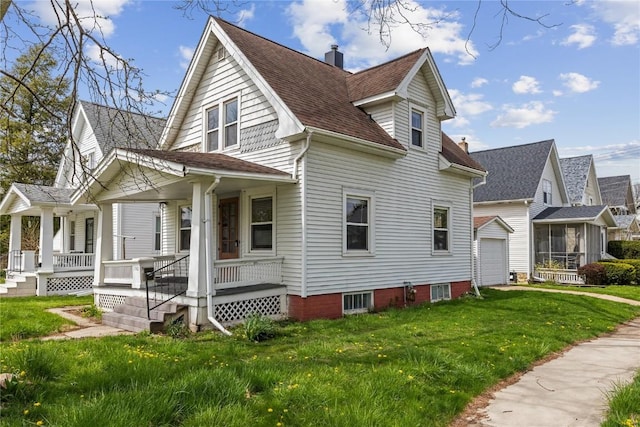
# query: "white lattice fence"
{"type": "Point", "coordinates": [107, 301]}
{"type": "Point", "coordinates": [66, 285]}
{"type": "Point", "coordinates": [239, 310]}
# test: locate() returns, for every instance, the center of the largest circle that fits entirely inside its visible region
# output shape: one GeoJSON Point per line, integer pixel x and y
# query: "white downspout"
{"type": "Point", "coordinates": [303, 215]}
{"type": "Point", "coordinates": [473, 261]}
{"type": "Point", "coordinates": [208, 219]}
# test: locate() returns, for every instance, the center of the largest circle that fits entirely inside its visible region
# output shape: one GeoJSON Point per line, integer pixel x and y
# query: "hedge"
{"type": "Point", "coordinates": [634, 262]}
{"type": "Point", "coordinates": [594, 274]}
{"type": "Point", "coordinates": [624, 249]}
{"type": "Point", "coordinates": [619, 273]}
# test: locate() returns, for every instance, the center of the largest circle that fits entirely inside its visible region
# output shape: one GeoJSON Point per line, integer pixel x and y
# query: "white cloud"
{"type": "Point", "coordinates": [558, 93]}
{"type": "Point", "coordinates": [99, 56]}
{"type": "Point", "coordinates": [318, 28]}
{"type": "Point", "coordinates": [186, 53]}
{"type": "Point", "coordinates": [246, 15]}
{"type": "Point", "coordinates": [532, 113]}
{"type": "Point", "coordinates": [526, 84]}
{"type": "Point", "coordinates": [94, 15]}
{"type": "Point", "coordinates": [578, 83]}
{"type": "Point", "coordinates": [469, 104]}
{"type": "Point", "coordinates": [611, 159]}
{"type": "Point", "coordinates": [624, 16]}
{"type": "Point", "coordinates": [583, 36]}
{"type": "Point", "coordinates": [479, 82]}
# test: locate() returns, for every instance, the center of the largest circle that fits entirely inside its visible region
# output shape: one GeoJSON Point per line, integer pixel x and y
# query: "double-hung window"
{"type": "Point", "coordinates": [441, 229]}
{"type": "Point", "coordinates": [157, 232]}
{"type": "Point", "coordinates": [262, 223]}
{"type": "Point", "coordinates": [221, 125]}
{"type": "Point", "coordinates": [358, 223]}
{"type": "Point", "coordinates": [231, 123]}
{"type": "Point", "coordinates": [417, 128]}
{"type": "Point", "coordinates": [213, 128]}
{"type": "Point", "coordinates": [184, 243]}
{"type": "Point", "coordinates": [546, 192]}
{"type": "Point", "coordinates": [72, 235]}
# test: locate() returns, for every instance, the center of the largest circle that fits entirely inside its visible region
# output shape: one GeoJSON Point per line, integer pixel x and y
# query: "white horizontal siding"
{"type": "Point", "coordinates": [383, 115]}
{"type": "Point", "coordinates": [138, 225]}
{"type": "Point", "coordinates": [517, 216]}
{"type": "Point", "coordinates": [289, 234]}
{"type": "Point", "coordinates": [403, 231]}
{"type": "Point", "coordinates": [538, 205]}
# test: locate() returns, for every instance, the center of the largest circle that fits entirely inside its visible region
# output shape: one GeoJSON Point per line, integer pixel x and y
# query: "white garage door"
{"type": "Point", "coordinates": [493, 262]}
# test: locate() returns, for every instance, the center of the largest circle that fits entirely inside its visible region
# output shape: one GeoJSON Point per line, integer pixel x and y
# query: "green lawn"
{"type": "Point", "coordinates": [418, 366]}
{"type": "Point", "coordinates": [25, 317]}
{"type": "Point", "coordinates": [624, 405]}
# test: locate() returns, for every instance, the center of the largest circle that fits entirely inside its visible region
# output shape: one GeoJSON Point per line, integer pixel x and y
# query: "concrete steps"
{"type": "Point", "coordinates": [18, 286]}
{"type": "Point", "coordinates": [132, 315]}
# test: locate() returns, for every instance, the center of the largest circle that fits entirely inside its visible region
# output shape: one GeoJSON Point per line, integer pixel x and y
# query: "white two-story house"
{"type": "Point", "coordinates": [290, 186]}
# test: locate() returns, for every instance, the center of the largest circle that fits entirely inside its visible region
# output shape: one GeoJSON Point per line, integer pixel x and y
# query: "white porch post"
{"type": "Point", "coordinates": [15, 236]}
{"type": "Point", "coordinates": [46, 239]}
{"type": "Point", "coordinates": [104, 242]}
{"type": "Point", "coordinates": [197, 273]}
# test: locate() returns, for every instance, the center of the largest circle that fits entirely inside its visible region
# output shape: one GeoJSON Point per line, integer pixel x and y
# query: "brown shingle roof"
{"type": "Point", "coordinates": [316, 92]}
{"type": "Point", "coordinates": [382, 78]}
{"type": "Point", "coordinates": [214, 161]}
{"type": "Point", "coordinates": [453, 153]}
{"type": "Point", "coordinates": [479, 221]}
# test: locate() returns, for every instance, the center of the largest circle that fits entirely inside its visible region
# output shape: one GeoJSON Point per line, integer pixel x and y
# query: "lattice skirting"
{"type": "Point", "coordinates": [239, 310]}
{"type": "Point", "coordinates": [65, 285]}
{"type": "Point", "coordinates": [107, 301]}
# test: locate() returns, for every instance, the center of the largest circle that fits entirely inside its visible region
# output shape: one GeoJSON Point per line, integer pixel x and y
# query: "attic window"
{"type": "Point", "coordinates": [546, 192]}
{"type": "Point", "coordinates": [220, 54]}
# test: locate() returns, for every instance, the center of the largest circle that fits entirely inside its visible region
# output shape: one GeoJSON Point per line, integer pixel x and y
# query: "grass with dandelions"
{"type": "Point", "coordinates": [418, 366]}
{"type": "Point", "coordinates": [624, 405]}
{"type": "Point", "coordinates": [26, 317]}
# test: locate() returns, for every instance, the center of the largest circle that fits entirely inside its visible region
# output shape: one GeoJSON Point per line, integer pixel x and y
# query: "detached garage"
{"type": "Point", "coordinates": [491, 246]}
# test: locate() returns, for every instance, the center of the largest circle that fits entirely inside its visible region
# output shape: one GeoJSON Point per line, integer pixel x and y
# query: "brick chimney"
{"type": "Point", "coordinates": [334, 56]}
{"type": "Point", "coordinates": [464, 145]}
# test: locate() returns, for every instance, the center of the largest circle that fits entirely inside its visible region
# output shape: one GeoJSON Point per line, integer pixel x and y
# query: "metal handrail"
{"type": "Point", "coordinates": [174, 287]}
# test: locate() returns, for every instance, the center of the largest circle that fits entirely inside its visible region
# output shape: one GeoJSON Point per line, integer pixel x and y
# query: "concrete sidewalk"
{"type": "Point", "coordinates": [572, 389]}
{"type": "Point", "coordinates": [87, 327]}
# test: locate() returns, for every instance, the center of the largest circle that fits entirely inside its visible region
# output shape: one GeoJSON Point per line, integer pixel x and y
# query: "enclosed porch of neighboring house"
{"type": "Point", "coordinates": [63, 261]}
{"type": "Point", "coordinates": [216, 235]}
{"type": "Point", "coordinates": [566, 238]}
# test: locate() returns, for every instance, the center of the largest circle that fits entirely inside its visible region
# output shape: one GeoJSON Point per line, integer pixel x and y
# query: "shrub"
{"type": "Point", "coordinates": [92, 311]}
{"type": "Point", "coordinates": [624, 249]}
{"type": "Point", "coordinates": [594, 274]}
{"type": "Point", "coordinates": [619, 273]}
{"type": "Point", "coordinates": [634, 262]}
{"type": "Point", "coordinates": [258, 327]}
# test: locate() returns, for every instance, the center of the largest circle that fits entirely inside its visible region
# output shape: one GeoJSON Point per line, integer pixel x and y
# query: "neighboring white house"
{"type": "Point", "coordinates": [526, 188]}
{"type": "Point", "coordinates": [64, 262]}
{"type": "Point", "coordinates": [289, 186]}
{"type": "Point", "coordinates": [618, 194]}
{"type": "Point", "coordinates": [581, 180]}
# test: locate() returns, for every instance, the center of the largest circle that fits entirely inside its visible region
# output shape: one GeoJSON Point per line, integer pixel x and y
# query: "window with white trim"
{"type": "Point", "coordinates": [213, 128]}
{"type": "Point", "coordinates": [441, 230]}
{"type": "Point", "coordinates": [72, 235]}
{"type": "Point", "coordinates": [358, 223]}
{"type": "Point", "coordinates": [157, 232]}
{"type": "Point", "coordinates": [262, 223]}
{"type": "Point", "coordinates": [184, 237]}
{"type": "Point", "coordinates": [231, 123]}
{"type": "Point", "coordinates": [417, 128]}
{"type": "Point", "coordinates": [222, 125]}
{"type": "Point", "coordinates": [440, 292]}
{"type": "Point", "coordinates": [546, 192]}
{"type": "Point", "coordinates": [357, 303]}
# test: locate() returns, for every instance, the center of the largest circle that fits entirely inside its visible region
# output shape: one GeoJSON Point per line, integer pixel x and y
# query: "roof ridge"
{"type": "Point", "coordinates": [217, 18]}
{"type": "Point", "coordinates": [81, 101]}
{"type": "Point", "coordinates": [422, 49]}
{"type": "Point", "coordinates": [514, 146]}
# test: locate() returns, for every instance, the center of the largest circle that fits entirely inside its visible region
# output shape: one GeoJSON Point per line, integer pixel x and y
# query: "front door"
{"type": "Point", "coordinates": [228, 229]}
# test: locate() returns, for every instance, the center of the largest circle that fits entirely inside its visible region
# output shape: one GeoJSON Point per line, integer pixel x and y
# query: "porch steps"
{"type": "Point", "coordinates": [132, 315]}
{"type": "Point", "coordinates": [18, 286]}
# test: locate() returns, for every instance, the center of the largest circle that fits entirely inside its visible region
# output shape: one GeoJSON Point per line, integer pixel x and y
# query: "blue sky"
{"type": "Point", "coordinates": [576, 79]}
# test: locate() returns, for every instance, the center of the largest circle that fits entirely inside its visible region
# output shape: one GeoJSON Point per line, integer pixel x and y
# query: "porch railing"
{"type": "Point", "coordinates": [79, 261]}
{"type": "Point", "coordinates": [237, 273]}
{"type": "Point", "coordinates": [167, 282]}
{"type": "Point", "coordinates": [14, 261]}
{"type": "Point", "coordinates": [569, 277]}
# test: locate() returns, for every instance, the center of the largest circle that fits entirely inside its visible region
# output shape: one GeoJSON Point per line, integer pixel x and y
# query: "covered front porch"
{"type": "Point", "coordinates": [61, 259]}
{"type": "Point", "coordinates": [216, 233]}
{"type": "Point", "coordinates": [567, 238]}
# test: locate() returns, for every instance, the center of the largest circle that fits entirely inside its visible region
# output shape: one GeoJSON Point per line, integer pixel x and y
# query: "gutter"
{"type": "Point", "coordinates": [303, 216]}
{"type": "Point", "coordinates": [473, 263]}
{"type": "Point", "coordinates": [208, 218]}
